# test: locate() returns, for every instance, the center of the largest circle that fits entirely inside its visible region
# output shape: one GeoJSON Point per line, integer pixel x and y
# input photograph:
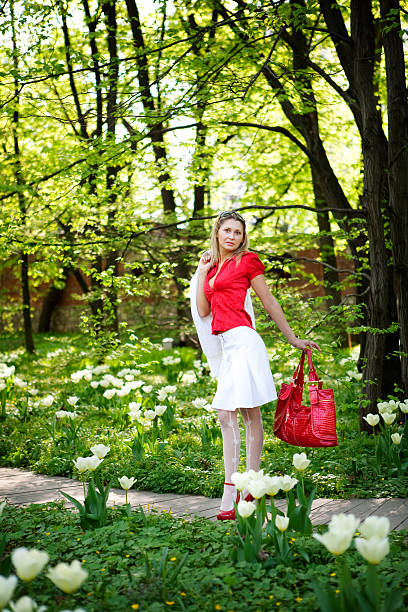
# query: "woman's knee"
{"type": "Point", "coordinates": [227, 418]}
{"type": "Point", "coordinates": [251, 416]}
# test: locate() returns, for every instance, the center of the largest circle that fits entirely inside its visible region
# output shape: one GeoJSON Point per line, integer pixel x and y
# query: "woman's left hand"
{"type": "Point", "coordinates": [303, 345]}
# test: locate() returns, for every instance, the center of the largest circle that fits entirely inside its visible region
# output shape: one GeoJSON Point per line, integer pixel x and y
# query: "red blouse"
{"type": "Point", "coordinates": [227, 298]}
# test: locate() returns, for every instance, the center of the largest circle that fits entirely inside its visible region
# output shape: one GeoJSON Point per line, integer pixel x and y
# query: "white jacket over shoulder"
{"type": "Point", "coordinates": [210, 343]}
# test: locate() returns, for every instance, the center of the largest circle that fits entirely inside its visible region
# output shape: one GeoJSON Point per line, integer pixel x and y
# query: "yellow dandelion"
{"type": "Point", "coordinates": [182, 593]}
{"type": "Point", "coordinates": [271, 596]}
{"type": "Point", "coordinates": [135, 606]}
{"type": "Point", "coordinates": [170, 603]}
{"type": "Point", "coordinates": [173, 559]}
{"type": "Point", "coordinates": [298, 599]}
{"type": "Point", "coordinates": [103, 569]}
{"type": "Point", "coordinates": [48, 533]}
{"type": "Point", "coordinates": [127, 556]}
{"type": "Point", "coordinates": [337, 591]}
{"type": "Point", "coordinates": [333, 574]}
{"type": "Point", "coordinates": [217, 607]}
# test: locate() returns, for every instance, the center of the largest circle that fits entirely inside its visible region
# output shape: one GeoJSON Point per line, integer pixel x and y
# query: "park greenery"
{"type": "Point", "coordinates": [126, 127]}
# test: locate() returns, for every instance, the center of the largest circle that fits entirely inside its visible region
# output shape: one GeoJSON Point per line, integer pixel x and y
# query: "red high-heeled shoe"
{"type": "Point", "coordinates": [249, 497]}
{"type": "Point", "coordinates": [228, 515]}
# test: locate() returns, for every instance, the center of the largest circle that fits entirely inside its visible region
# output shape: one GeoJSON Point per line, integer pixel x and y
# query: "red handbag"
{"type": "Point", "coordinates": [313, 425]}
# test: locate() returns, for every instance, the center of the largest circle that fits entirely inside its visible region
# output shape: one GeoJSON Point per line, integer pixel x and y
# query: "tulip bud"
{"type": "Point", "coordinates": [257, 488]}
{"type": "Point", "coordinates": [28, 562]}
{"type": "Point", "coordinates": [26, 604]}
{"type": "Point", "coordinates": [396, 438]}
{"type": "Point", "coordinates": [388, 417]}
{"type": "Point", "coordinates": [126, 483]}
{"type": "Point", "coordinates": [403, 406]}
{"type": "Point", "coordinates": [272, 484]}
{"type": "Point", "coordinates": [240, 480]}
{"type": "Point", "coordinates": [375, 526]}
{"type": "Point", "coordinates": [160, 410]}
{"type": "Point", "coordinates": [67, 577]}
{"type": "Point", "coordinates": [373, 550]}
{"type": "Point", "coordinates": [281, 522]}
{"type": "Point", "coordinates": [93, 462]}
{"type": "Point", "coordinates": [100, 450]}
{"type": "Point", "coordinates": [372, 419]}
{"type": "Point", "coordinates": [346, 523]}
{"type": "Point", "coordinates": [300, 461]}
{"type": "Point", "coordinates": [335, 541]}
{"type": "Point", "coordinates": [7, 586]}
{"type": "Point", "coordinates": [150, 415]}
{"type": "Point", "coordinates": [287, 483]}
{"type": "Point", "coordinates": [246, 508]}
{"type": "Point", "coordinates": [81, 464]}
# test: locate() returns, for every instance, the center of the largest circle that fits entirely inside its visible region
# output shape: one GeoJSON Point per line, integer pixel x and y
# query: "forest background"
{"type": "Point", "coordinates": [127, 125]}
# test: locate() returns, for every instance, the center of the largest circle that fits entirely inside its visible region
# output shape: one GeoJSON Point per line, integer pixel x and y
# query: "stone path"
{"type": "Point", "coordinates": [22, 487]}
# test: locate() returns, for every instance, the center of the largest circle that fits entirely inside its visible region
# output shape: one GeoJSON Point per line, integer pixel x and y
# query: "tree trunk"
{"type": "Point", "coordinates": [398, 167]}
{"type": "Point", "coordinates": [18, 175]}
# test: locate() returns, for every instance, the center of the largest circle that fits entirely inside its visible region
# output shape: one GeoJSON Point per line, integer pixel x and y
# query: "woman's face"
{"type": "Point", "coordinates": [230, 235]}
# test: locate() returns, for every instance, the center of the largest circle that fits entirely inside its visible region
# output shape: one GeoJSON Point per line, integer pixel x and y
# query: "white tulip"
{"type": "Point", "coordinates": [375, 526]}
{"type": "Point", "coordinates": [87, 375]}
{"type": "Point", "coordinates": [273, 484]}
{"type": "Point", "coordinates": [134, 406]}
{"type": "Point", "coordinates": [372, 419]}
{"type": "Point", "coordinates": [246, 508]}
{"type": "Point", "coordinates": [7, 586]}
{"type": "Point", "coordinates": [282, 522]}
{"type": "Point", "coordinates": [47, 401]}
{"type": "Point", "coordinates": [170, 388]}
{"type": "Point", "coordinates": [2, 385]}
{"type": "Point", "coordinates": [300, 461]}
{"type": "Point", "coordinates": [81, 464]}
{"type": "Point", "coordinates": [396, 438]}
{"type": "Point", "coordinates": [6, 371]}
{"type": "Point", "coordinates": [388, 417]}
{"type": "Point", "coordinates": [19, 382]}
{"type": "Point", "coordinates": [287, 483]}
{"type": "Point", "coordinates": [373, 550]}
{"type": "Point", "coordinates": [100, 450]}
{"type": "Point", "coordinates": [257, 488]}
{"type": "Point", "coordinates": [335, 541]}
{"type": "Point", "coordinates": [73, 400]}
{"type": "Point", "coordinates": [383, 407]}
{"type": "Point", "coordinates": [125, 390]}
{"type": "Point", "coordinates": [150, 415]}
{"type": "Point", "coordinates": [134, 414]}
{"type": "Point", "coordinates": [28, 562]}
{"type": "Point", "coordinates": [94, 384]}
{"type": "Point", "coordinates": [252, 475]}
{"type": "Point", "coordinates": [147, 388]}
{"type": "Point", "coordinates": [162, 394]}
{"type": "Point", "coordinates": [93, 462]}
{"type": "Point", "coordinates": [344, 523]}
{"type": "Point", "coordinates": [403, 406]}
{"type": "Point", "coordinates": [67, 577]}
{"type": "Point", "coordinates": [33, 391]}
{"type": "Point", "coordinates": [135, 384]}
{"type": "Point", "coordinates": [126, 483]}
{"type": "Point", "coordinates": [160, 410]}
{"type": "Point", "coordinates": [199, 402]}
{"type": "Point", "coordinates": [240, 480]}
{"type": "Point", "coordinates": [109, 393]}
{"type": "Point", "coordinates": [26, 604]}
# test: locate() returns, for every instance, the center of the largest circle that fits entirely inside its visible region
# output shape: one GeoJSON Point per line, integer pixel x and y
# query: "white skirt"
{"type": "Point", "coordinates": [245, 379]}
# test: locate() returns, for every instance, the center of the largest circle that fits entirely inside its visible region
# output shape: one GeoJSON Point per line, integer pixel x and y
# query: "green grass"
{"type": "Point", "coordinates": [115, 557]}
{"type": "Point", "coordinates": [181, 460]}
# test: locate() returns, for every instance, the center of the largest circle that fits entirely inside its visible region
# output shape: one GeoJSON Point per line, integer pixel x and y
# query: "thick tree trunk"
{"type": "Point", "coordinates": [398, 166]}
{"type": "Point", "coordinates": [51, 300]}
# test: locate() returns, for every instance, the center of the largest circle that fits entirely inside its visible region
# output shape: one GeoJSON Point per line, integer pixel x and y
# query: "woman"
{"type": "Point", "coordinates": [220, 288]}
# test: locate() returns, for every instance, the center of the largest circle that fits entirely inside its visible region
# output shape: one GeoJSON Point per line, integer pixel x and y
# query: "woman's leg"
{"type": "Point", "coordinates": [254, 437]}
{"type": "Point", "coordinates": [231, 441]}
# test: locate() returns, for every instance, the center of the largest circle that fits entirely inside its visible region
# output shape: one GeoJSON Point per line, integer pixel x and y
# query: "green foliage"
{"type": "Point", "coordinates": [93, 512]}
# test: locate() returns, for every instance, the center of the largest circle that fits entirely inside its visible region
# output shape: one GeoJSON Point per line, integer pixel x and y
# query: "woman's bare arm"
{"type": "Point", "coordinates": [275, 311]}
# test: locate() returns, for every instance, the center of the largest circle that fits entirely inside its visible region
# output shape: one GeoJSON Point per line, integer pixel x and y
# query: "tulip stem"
{"type": "Point", "coordinates": [126, 495]}
{"type": "Point", "coordinates": [83, 483]}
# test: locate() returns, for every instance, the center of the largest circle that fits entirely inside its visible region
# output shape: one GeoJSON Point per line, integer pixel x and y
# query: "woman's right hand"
{"type": "Point", "coordinates": [204, 263]}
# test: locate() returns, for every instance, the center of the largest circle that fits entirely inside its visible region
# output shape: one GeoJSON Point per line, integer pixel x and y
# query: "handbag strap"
{"type": "Point", "coordinates": [313, 377]}
{"type": "Point", "coordinates": [298, 377]}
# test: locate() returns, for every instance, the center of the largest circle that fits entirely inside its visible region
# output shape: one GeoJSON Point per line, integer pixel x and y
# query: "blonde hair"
{"type": "Point", "coordinates": [215, 249]}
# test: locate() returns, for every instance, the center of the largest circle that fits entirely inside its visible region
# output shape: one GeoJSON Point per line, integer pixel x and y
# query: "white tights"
{"type": "Point", "coordinates": [231, 440]}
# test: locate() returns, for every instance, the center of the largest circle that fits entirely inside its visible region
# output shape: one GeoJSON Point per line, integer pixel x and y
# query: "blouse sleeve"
{"type": "Point", "coordinates": [254, 266]}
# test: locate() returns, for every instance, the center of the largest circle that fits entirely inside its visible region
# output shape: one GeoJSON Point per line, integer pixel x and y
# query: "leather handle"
{"type": "Point", "coordinates": [312, 371]}
{"type": "Point", "coordinates": [298, 377]}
